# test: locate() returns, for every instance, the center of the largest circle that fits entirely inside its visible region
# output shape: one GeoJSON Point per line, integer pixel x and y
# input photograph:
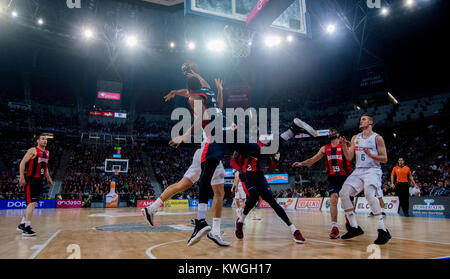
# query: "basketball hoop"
{"type": "Point", "coordinates": [240, 40]}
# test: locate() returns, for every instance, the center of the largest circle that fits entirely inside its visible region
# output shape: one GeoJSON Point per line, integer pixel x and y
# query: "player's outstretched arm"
{"type": "Point", "coordinates": [197, 126]}
{"type": "Point", "coordinates": [202, 81]}
{"type": "Point", "coordinates": [311, 161]}
{"type": "Point", "coordinates": [180, 92]}
{"type": "Point", "coordinates": [381, 148]}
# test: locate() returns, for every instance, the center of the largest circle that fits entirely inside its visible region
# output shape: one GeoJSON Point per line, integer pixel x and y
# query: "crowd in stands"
{"type": "Point", "coordinates": [109, 128]}
{"type": "Point", "coordinates": [85, 175]}
{"type": "Point", "coordinates": [152, 129]}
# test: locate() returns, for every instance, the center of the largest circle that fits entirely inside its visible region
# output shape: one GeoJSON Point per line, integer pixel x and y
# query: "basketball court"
{"type": "Point", "coordinates": [122, 233]}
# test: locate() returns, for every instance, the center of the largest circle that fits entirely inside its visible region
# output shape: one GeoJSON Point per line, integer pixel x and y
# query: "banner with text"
{"type": "Point", "coordinates": [21, 204]}
{"type": "Point", "coordinates": [439, 206]}
{"type": "Point", "coordinates": [326, 203]}
{"type": "Point", "coordinates": [194, 203]}
{"type": "Point", "coordinates": [176, 204]}
{"type": "Point", "coordinates": [68, 203]}
{"type": "Point", "coordinates": [390, 205]}
{"type": "Point", "coordinates": [277, 178]}
{"type": "Point", "coordinates": [309, 203]}
{"type": "Point", "coordinates": [287, 203]}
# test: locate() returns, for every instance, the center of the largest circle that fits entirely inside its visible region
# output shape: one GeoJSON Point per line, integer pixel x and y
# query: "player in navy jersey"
{"type": "Point", "coordinates": [257, 186]}
{"type": "Point", "coordinates": [214, 151]}
{"type": "Point", "coordinates": [36, 160]}
{"type": "Point", "coordinates": [338, 168]}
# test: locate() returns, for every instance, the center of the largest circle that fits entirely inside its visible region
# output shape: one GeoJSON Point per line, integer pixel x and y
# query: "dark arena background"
{"type": "Point", "coordinates": [91, 76]}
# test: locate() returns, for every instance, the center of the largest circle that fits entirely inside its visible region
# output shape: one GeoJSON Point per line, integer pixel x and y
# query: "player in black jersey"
{"type": "Point", "coordinates": [214, 151]}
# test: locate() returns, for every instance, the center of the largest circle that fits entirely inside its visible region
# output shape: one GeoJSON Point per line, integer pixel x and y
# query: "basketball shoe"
{"type": "Point", "coordinates": [334, 233]}
{"type": "Point", "coordinates": [218, 239]}
{"type": "Point", "coordinates": [383, 237]}
{"type": "Point", "coordinates": [21, 227]}
{"type": "Point", "coordinates": [298, 237]}
{"type": "Point", "coordinates": [148, 215]}
{"type": "Point", "coordinates": [28, 232]}
{"type": "Point", "coordinates": [201, 228]}
{"type": "Point", "coordinates": [353, 232]}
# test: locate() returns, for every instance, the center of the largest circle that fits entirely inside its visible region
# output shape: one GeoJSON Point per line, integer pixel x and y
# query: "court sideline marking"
{"type": "Point", "coordinates": [149, 250]}
{"type": "Point", "coordinates": [41, 247]}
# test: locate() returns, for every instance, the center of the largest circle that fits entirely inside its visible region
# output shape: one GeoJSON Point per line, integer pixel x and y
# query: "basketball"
{"type": "Point", "coordinates": [188, 67]}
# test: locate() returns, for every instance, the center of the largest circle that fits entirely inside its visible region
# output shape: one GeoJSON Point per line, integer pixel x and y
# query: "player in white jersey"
{"type": "Point", "coordinates": [240, 196]}
{"type": "Point", "coordinates": [192, 175]}
{"type": "Point", "coordinates": [370, 151]}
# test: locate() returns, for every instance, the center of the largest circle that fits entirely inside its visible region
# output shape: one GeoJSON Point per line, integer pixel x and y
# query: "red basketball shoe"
{"type": "Point", "coordinates": [334, 233]}
{"type": "Point", "coordinates": [298, 237]}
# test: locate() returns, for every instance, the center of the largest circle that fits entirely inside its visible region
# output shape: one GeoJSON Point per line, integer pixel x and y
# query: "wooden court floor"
{"type": "Point", "coordinates": [123, 234]}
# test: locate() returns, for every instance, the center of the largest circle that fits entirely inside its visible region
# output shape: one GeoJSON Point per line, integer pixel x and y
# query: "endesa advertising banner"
{"type": "Point", "coordinates": [177, 204]}
{"type": "Point", "coordinates": [326, 203]}
{"type": "Point", "coordinates": [309, 203]}
{"type": "Point", "coordinates": [277, 178]}
{"type": "Point", "coordinates": [145, 203]}
{"type": "Point", "coordinates": [21, 204]}
{"type": "Point", "coordinates": [108, 95]}
{"type": "Point", "coordinates": [390, 205]}
{"type": "Point", "coordinates": [287, 203]}
{"type": "Point", "coordinates": [68, 203]}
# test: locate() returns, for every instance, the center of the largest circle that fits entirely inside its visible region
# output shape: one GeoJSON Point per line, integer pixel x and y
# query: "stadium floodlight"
{"type": "Point", "coordinates": [131, 41]}
{"type": "Point", "coordinates": [384, 11]}
{"type": "Point", "coordinates": [40, 21]}
{"type": "Point", "coordinates": [191, 45]}
{"type": "Point", "coordinates": [172, 44]}
{"type": "Point", "coordinates": [88, 33]}
{"type": "Point", "coordinates": [14, 14]}
{"type": "Point", "coordinates": [289, 38]}
{"type": "Point", "coordinates": [272, 41]}
{"type": "Point", "coordinates": [409, 3]}
{"type": "Point", "coordinates": [331, 28]}
{"type": "Point", "coordinates": [216, 45]}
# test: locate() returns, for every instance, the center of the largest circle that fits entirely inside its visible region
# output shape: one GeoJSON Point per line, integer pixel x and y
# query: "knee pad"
{"type": "Point", "coordinates": [346, 192]}
{"type": "Point", "coordinates": [370, 192]}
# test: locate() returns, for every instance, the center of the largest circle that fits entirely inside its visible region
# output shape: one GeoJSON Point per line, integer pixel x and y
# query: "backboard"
{"type": "Point", "coordinates": [294, 19]}
{"type": "Point", "coordinates": [120, 165]}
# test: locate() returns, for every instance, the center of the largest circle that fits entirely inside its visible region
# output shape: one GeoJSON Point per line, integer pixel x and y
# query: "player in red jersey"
{"type": "Point", "coordinates": [256, 184]}
{"type": "Point", "coordinates": [33, 180]}
{"type": "Point", "coordinates": [338, 169]}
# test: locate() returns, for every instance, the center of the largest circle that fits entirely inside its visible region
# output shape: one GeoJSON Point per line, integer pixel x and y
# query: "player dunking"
{"type": "Point", "coordinates": [257, 186]}
{"type": "Point", "coordinates": [337, 168]}
{"type": "Point", "coordinates": [33, 180]}
{"type": "Point", "coordinates": [370, 151]}
{"type": "Point", "coordinates": [214, 151]}
{"type": "Point", "coordinates": [193, 173]}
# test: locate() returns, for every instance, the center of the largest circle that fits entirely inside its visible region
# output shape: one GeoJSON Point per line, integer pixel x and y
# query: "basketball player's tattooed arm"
{"type": "Point", "coordinates": [198, 117]}
{"type": "Point", "coordinates": [202, 81]}
{"type": "Point", "coordinates": [348, 147]}
{"type": "Point", "coordinates": [179, 92]}
{"type": "Point", "coordinates": [31, 153]}
{"type": "Point", "coordinates": [381, 148]}
{"type": "Point", "coordinates": [311, 161]}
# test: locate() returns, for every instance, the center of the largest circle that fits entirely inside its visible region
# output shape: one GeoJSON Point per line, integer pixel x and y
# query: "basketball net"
{"type": "Point", "coordinates": [240, 40]}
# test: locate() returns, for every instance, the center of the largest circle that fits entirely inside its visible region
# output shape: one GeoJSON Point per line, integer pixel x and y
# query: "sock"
{"type": "Point", "coordinates": [334, 224]}
{"type": "Point", "coordinates": [293, 228]}
{"type": "Point", "coordinates": [23, 220]}
{"type": "Point", "coordinates": [155, 205]}
{"type": "Point", "coordinates": [202, 208]}
{"type": "Point", "coordinates": [287, 135]}
{"type": "Point", "coordinates": [352, 219]}
{"type": "Point", "coordinates": [381, 223]}
{"type": "Point", "coordinates": [216, 226]}
{"type": "Point", "coordinates": [242, 218]}
{"type": "Point", "coordinates": [27, 223]}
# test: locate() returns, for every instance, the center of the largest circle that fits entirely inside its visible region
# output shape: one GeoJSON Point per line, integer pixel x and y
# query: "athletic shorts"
{"type": "Point", "coordinates": [335, 183]}
{"type": "Point", "coordinates": [33, 189]}
{"type": "Point", "coordinates": [362, 177]}
{"type": "Point", "coordinates": [240, 193]}
{"type": "Point", "coordinates": [195, 170]}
